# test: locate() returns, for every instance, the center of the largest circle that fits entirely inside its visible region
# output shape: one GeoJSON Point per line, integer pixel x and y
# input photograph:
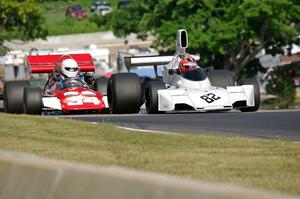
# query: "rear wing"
{"type": "Point", "coordinates": [146, 61]}
{"type": "Point", "coordinates": [47, 63]}
{"type": "Point", "coordinates": [150, 61]}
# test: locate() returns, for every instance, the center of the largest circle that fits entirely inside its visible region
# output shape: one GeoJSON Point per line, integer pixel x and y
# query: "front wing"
{"type": "Point", "coordinates": [213, 99]}
{"type": "Point", "coordinates": [53, 103]}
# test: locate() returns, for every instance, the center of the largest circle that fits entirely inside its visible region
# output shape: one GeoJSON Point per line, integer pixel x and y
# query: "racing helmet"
{"type": "Point", "coordinates": [187, 63]}
{"type": "Point", "coordinates": [69, 68]}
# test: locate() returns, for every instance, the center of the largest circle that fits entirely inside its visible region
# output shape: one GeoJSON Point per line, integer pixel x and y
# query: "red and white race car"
{"type": "Point", "coordinates": [74, 96]}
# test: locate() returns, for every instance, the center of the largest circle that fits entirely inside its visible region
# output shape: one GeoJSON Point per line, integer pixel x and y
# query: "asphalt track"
{"type": "Point", "coordinates": [282, 125]}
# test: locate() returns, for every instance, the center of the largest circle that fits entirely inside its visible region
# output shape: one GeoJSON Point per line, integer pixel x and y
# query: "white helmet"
{"type": "Point", "coordinates": [69, 68]}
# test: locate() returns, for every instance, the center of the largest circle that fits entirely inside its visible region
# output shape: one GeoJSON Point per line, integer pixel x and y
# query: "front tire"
{"type": "Point", "coordinates": [252, 81]}
{"type": "Point", "coordinates": [33, 100]}
{"type": "Point", "coordinates": [151, 96]}
{"type": "Point", "coordinates": [124, 93]}
{"type": "Point", "coordinates": [13, 96]}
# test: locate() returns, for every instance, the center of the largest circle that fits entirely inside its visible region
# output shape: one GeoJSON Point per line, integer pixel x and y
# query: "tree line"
{"type": "Point", "coordinates": [228, 33]}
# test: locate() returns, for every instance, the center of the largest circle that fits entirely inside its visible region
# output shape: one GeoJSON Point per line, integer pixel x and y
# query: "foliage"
{"type": "Point", "coordinates": [281, 85]}
{"type": "Point", "coordinates": [42, 17]}
{"type": "Point", "coordinates": [20, 19]}
{"type": "Point", "coordinates": [253, 67]}
{"type": "Point", "coordinates": [62, 25]}
{"type": "Point", "coordinates": [58, 24]}
{"type": "Point", "coordinates": [227, 34]}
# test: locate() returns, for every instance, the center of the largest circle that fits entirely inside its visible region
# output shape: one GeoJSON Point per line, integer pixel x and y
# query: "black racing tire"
{"type": "Point", "coordinates": [151, 96]}
{"type": "Point", "coordinates": [101, 85]}
{"type": "Point", "coordinates": [144, 81]}
{"type": "Point", "coordinates": [252, 81]}
{"type": "Point", "coordinates": [124, 93]}
{"type": "Point", "coordinates": [221, 78]}
{"type": "Point", "coordinates": [32, 100]}
{"type": "Point", "coordinates": [13, 96]}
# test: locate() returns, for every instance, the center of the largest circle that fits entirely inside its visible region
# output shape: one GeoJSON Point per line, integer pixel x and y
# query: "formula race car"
{"type": "Point", "coordinates": [183, 86]}
{"type": "Point", "coordinates": [74, 94]}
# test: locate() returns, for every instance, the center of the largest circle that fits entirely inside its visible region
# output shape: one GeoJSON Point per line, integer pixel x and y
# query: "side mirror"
{"type": "Point", "coordinates": [182, 41]}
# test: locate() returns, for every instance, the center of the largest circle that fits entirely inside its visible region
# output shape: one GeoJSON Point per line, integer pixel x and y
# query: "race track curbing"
{"type": "Point", "coordinates": [28, 176]}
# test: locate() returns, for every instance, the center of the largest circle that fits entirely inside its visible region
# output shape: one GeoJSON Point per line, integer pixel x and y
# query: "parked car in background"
{"type": "Point", "coordinates": [101, 8]}
{"type": "Point", "coordinates": [77, 12]}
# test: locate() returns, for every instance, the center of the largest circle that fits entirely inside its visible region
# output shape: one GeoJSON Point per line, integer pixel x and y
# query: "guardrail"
{"type": "Point", "coordinates": [31, 177]}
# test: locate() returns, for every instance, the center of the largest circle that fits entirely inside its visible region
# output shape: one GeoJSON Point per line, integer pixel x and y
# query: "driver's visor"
{"type": "Point", "coordinates": [71, 69]}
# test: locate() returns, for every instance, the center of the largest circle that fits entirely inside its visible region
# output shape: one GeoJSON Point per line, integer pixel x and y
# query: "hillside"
{"type": "Point", "coordinates": [58, 24]}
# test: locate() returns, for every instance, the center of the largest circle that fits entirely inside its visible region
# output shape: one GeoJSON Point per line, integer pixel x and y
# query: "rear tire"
{"type": "Point", "coordinates": [151, 96]}
{"type": "Point", "coordinates": [221, 78]}
{"type": "Point", "coordinates": [33, 100]}
{"type": "Point", "coordinates": [101, 85]}
{"type": "Point", "coordinates": [252, 81]}
{"type": "Point", "coordinates": [13, 96]}
{"type": "Point", "coordinates": [144, 81]}
{"type": "Point", "coordinates": [124, 93]}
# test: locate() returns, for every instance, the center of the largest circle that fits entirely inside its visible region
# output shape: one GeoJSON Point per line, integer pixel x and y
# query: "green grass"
{"type": "Point", "coordinates": [269, 164]}
{"type": "Point", "coordinates": [58, 24]}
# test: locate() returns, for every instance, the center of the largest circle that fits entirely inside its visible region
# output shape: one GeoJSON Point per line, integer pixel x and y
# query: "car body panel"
{"type": "Point", "coordinates": [77, 98]}
{"type": "Point", "coordinates": [213, 98]}
{"type": "Point", "coordinates": [52, 103]}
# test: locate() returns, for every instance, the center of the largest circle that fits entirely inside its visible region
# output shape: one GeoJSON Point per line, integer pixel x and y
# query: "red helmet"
{"type": "Point", "coordinates": [187, 63]}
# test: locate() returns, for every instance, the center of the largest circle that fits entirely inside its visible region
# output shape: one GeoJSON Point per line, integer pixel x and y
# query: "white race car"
{"type": "Point", "coordinates": [193, 89]}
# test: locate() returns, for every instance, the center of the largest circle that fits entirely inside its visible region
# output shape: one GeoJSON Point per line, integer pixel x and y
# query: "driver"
{"type": "Point", "coordinates": [69, 69]}
{"type": "Point", "coordinates": [186, 63]}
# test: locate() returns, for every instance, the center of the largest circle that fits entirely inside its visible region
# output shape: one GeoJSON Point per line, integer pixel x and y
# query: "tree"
{"type": "Point", "coordinates": [282, 85]}
{"type": "Point", "coordinates": [228, 33]}
{"type": "Point", "coordinates": [20, 19]}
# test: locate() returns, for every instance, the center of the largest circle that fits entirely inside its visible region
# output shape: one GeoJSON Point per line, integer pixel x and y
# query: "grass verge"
{"type": "Point", "coordinates": [58, 23]}
{"type": "Point", "coordinates": [268, 164]}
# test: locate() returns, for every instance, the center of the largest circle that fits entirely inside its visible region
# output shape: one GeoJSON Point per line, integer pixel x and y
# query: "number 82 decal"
{"type": "Point", "coordinates": [210, 97]}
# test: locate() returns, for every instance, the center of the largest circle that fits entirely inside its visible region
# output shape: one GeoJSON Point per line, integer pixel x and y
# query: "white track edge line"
{"type": "Point", "coordinates": [144, 130]}
{"type": "Point", "coordinates": [141, 130]}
